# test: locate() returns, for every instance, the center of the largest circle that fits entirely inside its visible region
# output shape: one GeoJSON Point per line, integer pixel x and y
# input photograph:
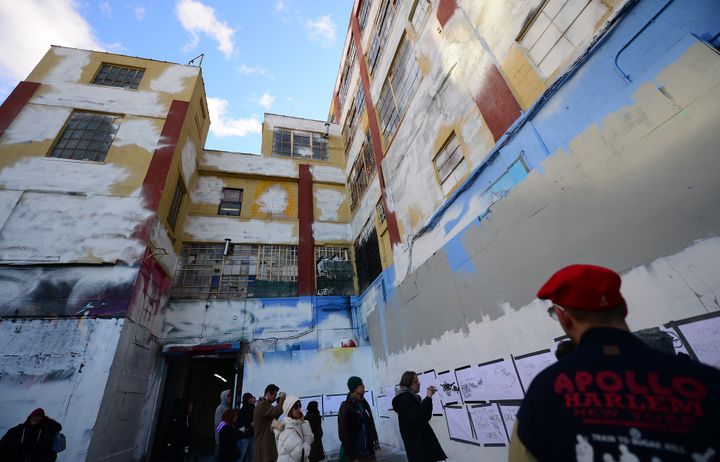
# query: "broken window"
{"type": "Point", "coordinates": [401, 82]}
{"type": "Point", "coordinates": [119, 76]}
{"type": "Point", "coordinates": [334, 271]}
{"type": "Point", "coordinates": [362, 172]}
{"type": "Point", "coordinates": [231, 202]}
{"type": "Point", "coordinates": [87, 136]}
{"type": "Point", "coordinates": [247, 271]}
{"type": "Point", "coordinates": [558, 29]}
{"type": "Point", "coordinates": [367, 256]}
{"type": "Point", "coordinates": [299, 144]}
{"type": "Point", "coordinates": [380, 210]}
{"type": "Point", "coordinates": [176, 204]}
{"type": "Point", "coordinates": [450, 163]}
{"type": "Point", "coordinates": [381, 31]}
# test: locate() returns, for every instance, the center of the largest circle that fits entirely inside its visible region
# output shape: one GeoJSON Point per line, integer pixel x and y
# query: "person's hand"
{"type": "Point", "coordinates": [282, 396]}
{"type": "Point", "coordinates": [431, 391]}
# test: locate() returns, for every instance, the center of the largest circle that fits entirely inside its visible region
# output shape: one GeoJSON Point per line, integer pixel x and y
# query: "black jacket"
{"type": "Point", "coordinates": [616, 398]}
{"type": "Point", "coordinates": [27, 443]}
{"type": "Point", "coordinates": [317, 451]}
{"type": "Point", "coordinates": [349, 425]}
{"type": "Point", "coordinates": [245, 419]}
{"type": "Point", "coordinates": [414, 414]}
{"type": "Point", "coordinates": [180, 441]}
{"type": "Point", "coordinates": [227, 449]}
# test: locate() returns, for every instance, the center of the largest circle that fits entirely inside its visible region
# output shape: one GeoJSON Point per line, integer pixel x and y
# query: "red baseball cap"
{"type": "Point", "coordinates": [584, 288]}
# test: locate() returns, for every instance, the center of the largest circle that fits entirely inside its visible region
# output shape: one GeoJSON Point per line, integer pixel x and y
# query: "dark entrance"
{"type": "Point", "coordinates": [199, 379]}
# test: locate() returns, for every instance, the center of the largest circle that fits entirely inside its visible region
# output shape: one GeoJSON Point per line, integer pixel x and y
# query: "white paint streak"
{"type": "Point", "coordinates": [208, 190]}
{"type": "Point", "coordinates": [326, 174]}
{"type": "Point", "coordinates": [73, 229]}
{"type": "Point", "coordinates": [273, 201]}
{"type": "Point", "coordinates": [318, 126]}
{"type": "Point", "coordinates": [175, 79]}
{"type": "Point", "coordinates": [330, 232]}
{"type": "Point", "coordinates": [248, 163]}
{"type": "Point", "coordinates": [8, 199]}
{"type": "Point", "coordinates": [36, 124]}
{"type": "Point", "coordinates": [329, 202]}
{"type": "Point", "coordinates": [60, 175]}
{"type": "Point", "coordinates": [217, 229]}
{"type": "Point", "coordinates": [366, 208]}
{"type": "Point", "coordinates": [163, 247]}
{"type": "Point", "coordinates": [144, 133]}
{"type": "Point", "coordinates": [189, 162]}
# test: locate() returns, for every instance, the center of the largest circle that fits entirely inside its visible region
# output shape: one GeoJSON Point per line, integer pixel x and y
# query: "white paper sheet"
{"type": "Point", "coordinates": [509, 414]}
{"type": "Point", "coordinates": [382, 406]}
{"type": "Point", "coordinates": [448, 388]}
{"type": "Point", "coordinates": [459, 424]}
{"type": "Point", "coordinates": [470, 382]}
{"type": "Point", "coordinates": [678, 344]}
{"type": "Point", "coordinates": [304, 400]}
{"type": "Point", "coordinates": [704, 338]}
{"type": "Point", "coordinates": [488, 424]}
{"type": "Point", "coordinates": [331, 404]}
{"type": "Point", "coordinates": [429, 379]}
{"type": "Point", "coordinates": [499, 382]}
{"type": "Point", "coordinates": [530, 366]}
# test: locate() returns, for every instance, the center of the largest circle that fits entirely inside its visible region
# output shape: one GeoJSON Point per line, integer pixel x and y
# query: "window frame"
{"type": "Point", "coordinates": [420, 25]}
{"type": "Point", "coordinates": [452, 138]}
{"type": "Point", "coordinates": [99, 156]}
{"type": "Point", "coordinates": [121, 67]}
{"type": "Point", "coordinates": [362, 172]}
{"type": "Point", "coordinates": [223, 200]}
{"type": "Point", "coordinates": [313, 138]}
{"type": "Point", "coordinates": [381, 25]}
{"type": "Point", "coordinates": [347, 285]}
{"type": "Point", "coordinates": [176, 203]}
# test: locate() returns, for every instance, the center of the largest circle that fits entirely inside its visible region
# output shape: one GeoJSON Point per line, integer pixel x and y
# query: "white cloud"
{"type": "Point", "coordinates": [266, 100]}
{"type": "Point", "coordinates": [139, 12]}
{"type": "Point", "coordinates": [252, 70]}
{"type": "Point", "coordinates": [221, 125]}
{"type": "Point", "coordinates": [322, 30]}
{"type": "Point", "coordinates": [280, 6]}
{"type": "Point", "coordinates": [106, 9]}
{"type": "Point", "coordinates": [196, 18]}
{"type": "Point", "coordinates": [29, 27]}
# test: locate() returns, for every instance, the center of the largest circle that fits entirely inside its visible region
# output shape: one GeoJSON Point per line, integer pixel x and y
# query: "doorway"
{"type": "Point", "coordinates": [200, 379]}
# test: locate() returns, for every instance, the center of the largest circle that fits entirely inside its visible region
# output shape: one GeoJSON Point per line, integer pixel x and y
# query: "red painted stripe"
{"type": "Point", "coordinates": [306, 244]}
{"type": "Point", "coordinates": [15, 103]}
{"type": "Point", "coordinates": [446, 8]}
{"type": "Point", "coordinates": [374, 131]}
{"type": "Point", "coordinates": [496, 102]}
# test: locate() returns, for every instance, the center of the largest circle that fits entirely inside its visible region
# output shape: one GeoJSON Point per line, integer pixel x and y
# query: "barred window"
{"type": "Point", "coordinates": [363, 13]}
{"type": "Point", "coordinates": [353, 117]}
{"type": "Point", "coordinates": [381, 31]}
{"type": "Point", "coordinates": [380, 210]}
{"type": "Point", "coordinates": [87, 136]}
{"type": "Point", "coordinates": [119, 76]}
{"type": "Point", "coordinates": [247, 271]}
{"type": "Point", "coordinates": [401, 82]}
{"type": "Point", "coordinates": [347, 72]}
{"type": "Point", "coordinates": [231, 202]}
{"type": "Point", "coordinates": [334, 273]}
{"type": "Point", "coordinates": [176, 204]}
{"type": "Point", "coordinates": [419, 13]}
{"type": "Point", "coordinates": [450, 163]}
{"type": "Point", "coordinates": [362, 172]}
{"type": "Point", "coordinates": [300, 144]}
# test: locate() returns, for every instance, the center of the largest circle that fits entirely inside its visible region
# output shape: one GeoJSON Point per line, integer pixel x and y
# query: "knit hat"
{"type": "Point", "coordinates": [290, 401]}
{"type": "Point", "coordinates": [39, 412]}
{"type": "Point", "coordinates": [354, 382]}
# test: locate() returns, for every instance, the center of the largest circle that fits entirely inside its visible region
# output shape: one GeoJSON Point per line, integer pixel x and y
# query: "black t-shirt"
{"type": "Point", "coordinates": [617, 400]}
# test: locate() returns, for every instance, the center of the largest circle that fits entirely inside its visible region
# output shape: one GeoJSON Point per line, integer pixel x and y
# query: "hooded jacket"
{"type": "Point", "coordinates": [219, 412]}
{"type": "Point", "coordinates": [414, 414]}
{"type": "Point", "coordinates": [350, 419]}
{"type": "Point", "coordinates": [30, 443]}
{"type": "Point", "coordinates": [294, 437]}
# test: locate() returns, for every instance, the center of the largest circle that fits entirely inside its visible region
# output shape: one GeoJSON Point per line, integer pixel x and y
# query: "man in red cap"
{"type": "Point", "coordinates": [614, 398]}
{"type": "Point", "coordinates": [32, 441]}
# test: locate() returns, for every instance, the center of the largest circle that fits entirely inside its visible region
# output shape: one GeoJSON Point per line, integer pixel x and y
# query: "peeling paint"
{"type": "Point", "coordinates": [329, 232]}
{"type": "Point", "coordinates": [36, 124]}
{"type": "Point", "coordinates": [189, 162]}
{"type": "Point", "coordinates": [273, 201]}
{"type": "Point", "coordinates": [144, 133]}
{"type": "Point", "coordinates": [329, 202]}
{"type": "Point", "coordinates": [217, 229]}
{"type": "Point", "coordinates": [208, 190]}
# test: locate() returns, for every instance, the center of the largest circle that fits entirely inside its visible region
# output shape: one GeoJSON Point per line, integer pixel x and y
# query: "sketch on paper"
{"type": "Point", "coordinates": [678, 344]}
{"type": "Point", "coordinates": [499, 382]}
{"type": "Point", "coordinates": [428, 379]}
{"type": "Point", "coordinates": [703, 336]}
{"type": "Point", "coordinates": [471, 383]}
{"type": "Point", "coordinates": [488, 424]}
{"type": "Point", "coordinates": [447, 388]}
{"type": "Point", "coordinates": [331, 404]}
{"type": "Point", "coordinates": [530, 365]}
{"type": "Point", "coordinates": [509, 415]}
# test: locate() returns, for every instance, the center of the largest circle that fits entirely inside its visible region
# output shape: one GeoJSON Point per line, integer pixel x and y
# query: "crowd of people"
{"type": "Point", "coordinates": [609, 394]}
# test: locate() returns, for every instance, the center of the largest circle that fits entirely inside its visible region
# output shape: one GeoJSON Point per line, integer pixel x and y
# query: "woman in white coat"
{"type": "Point", "coordinates": [293, 435]}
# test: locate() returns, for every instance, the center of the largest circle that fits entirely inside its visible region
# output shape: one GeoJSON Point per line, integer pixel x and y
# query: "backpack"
{"type": "Point", "coordinates": [59, 443]}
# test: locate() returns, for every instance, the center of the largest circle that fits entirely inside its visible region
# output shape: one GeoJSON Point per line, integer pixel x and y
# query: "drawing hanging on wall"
{"type": "Point", "coordinates": [382, 407]}
{"type": "Point", "coordinates": [702, 336]}
{"type": "Point", "coordinates": [499, 381]}
{"type": "Point", "coordinates": [429, 379]}
{"type": "Point", "coordinates": [531, 364]}
{"type": "Point", "coordinates": [509, 415]}
{"type": "Point", "coordinates": [677, 342]}
{"type": "Point", "coordinates": [470, 383]}
{"type": "Point", "coordinates": [459, 426]}
{"type": "Point", "coordinates": [331, 403]}
{"type": "Point", "coordinates": [488, 424]}
{"type": "Point", "coordinates": [448, 388]}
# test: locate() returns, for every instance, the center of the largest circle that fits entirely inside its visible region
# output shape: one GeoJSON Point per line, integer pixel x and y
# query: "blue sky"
{"type": "Point", "coordinates": [279, 56]}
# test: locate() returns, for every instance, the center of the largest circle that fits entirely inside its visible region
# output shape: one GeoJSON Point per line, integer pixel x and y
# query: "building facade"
{"type": "Point", "coordinates": [471, 149]}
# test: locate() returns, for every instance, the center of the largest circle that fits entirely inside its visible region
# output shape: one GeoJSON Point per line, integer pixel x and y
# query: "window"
{"type": "Point", "coordinates": [380, 210]}
{"type": "Point", "coordinates": [334, 271]}
{"type": "Point", "coordinates": [419, 13]}
{"type": "Point", "coordinates": [352, 118]}
{"type": "Point", "coordinates": [381, 31]}
{"type": "Point", "coordinates": [450, 164]}
{"type": "Point", "coordinates": [367, 256]}
{"type": "Point", "coordinates": [400, 84]}
{"type": "Point", "coordinates": [176, 204]}
{"type": "Point", "coordinates": [87, 136]}
{"type": "Point", "coordinates": [247, 271]}
{"type": "Point", "coordinates": [363, 13]}
{"type": "Point", "coordinates": [347, 73]}
{"type": "Point", "coordinates": [231, 202]}
{"type": "Point", "coordinates": [362, 172]}
{"type": "Point", "coordinates": [559, 28]}
{"type": "Point", "coordinates": [119, 76]}
{"type": "Point", "coordinates": [198, 124]}
{"type": "Point", "coordinates": [301, 144]}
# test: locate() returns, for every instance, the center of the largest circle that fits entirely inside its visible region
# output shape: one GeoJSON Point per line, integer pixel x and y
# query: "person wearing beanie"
{"type": "Point", "coordinates": [613, 397]}
{"type": "Point", "coordinates": [31, 441]}
{"type": "Point", "coordinates": [245, 427]}
{"type": "Point", "coordinates": [356, 427]}
{"type": "Point", "coordinates": [313, 417]}
{"type": "Point", "coordinates": [293, 435]}
{"type": "Point", "coordinates": [264, 446]}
